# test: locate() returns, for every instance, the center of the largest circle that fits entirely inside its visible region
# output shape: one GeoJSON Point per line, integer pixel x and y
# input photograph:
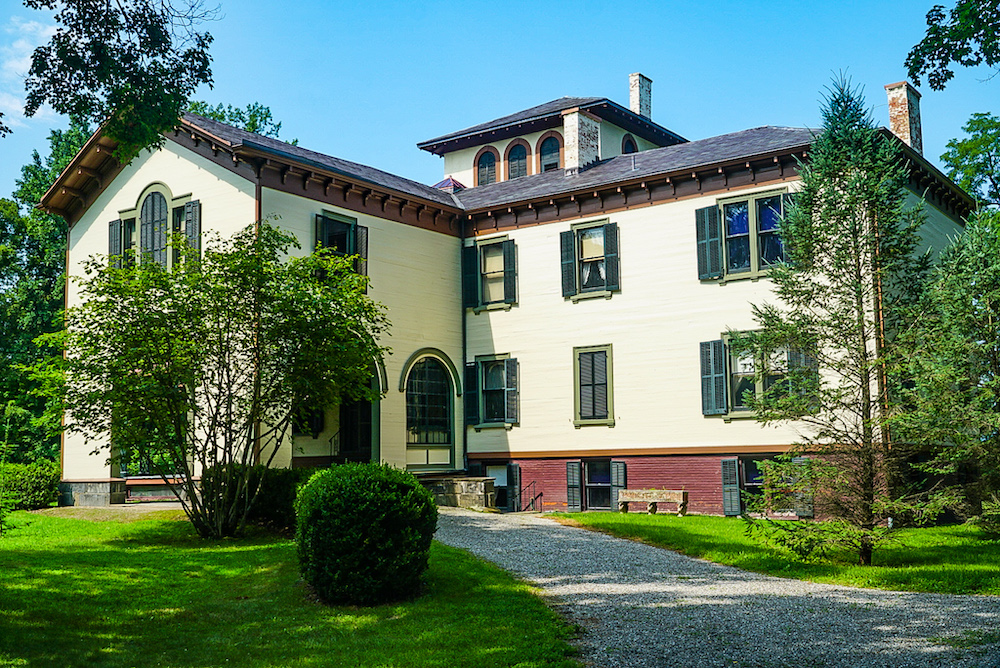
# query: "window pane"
{"type": "Point", "coordinates": [771, 248]}
{"type": "Point", "coordinates": [591, 243]}
{"type": "Point", "coordinates": [598, 497]}
{"type": "Point", "coordinates": [487, 169]}
{"type": "Point", "coordinates": [550, 154]}
{"type": "Point", "coordinates": [743, 386]}
{"type": "Point", "coordinates": [629, 147]}
{"type": "Point", "coordinates": [336, 235]}
{"type": "Point", "coordinates": [599, 472]}
{"type": "Point", "coordinates": [493, 375]}
{"type": "Point", "coordinates": [769, 213]}
{"type": "Point", "coordinates": [592, 275]}
{"type": "Point", "coordinates": [428, 403]}
{"type": "Point", "coordinates": [493, 289]}
{"type": "Point", "coordinates": [493, 406]}
{"type": "Point", "coordinates": [737, 219]}
{"type": "Point", "coordinates": [738, 251]}
{"type": "Point", "coordinates": [492, 258]}
{"type": "Point", "coordinates": [517, 161]}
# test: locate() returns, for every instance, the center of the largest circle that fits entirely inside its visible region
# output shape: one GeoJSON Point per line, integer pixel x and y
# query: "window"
{"type": "Point", "coordinates": [740, 237]}
{"type": "Point", "coordinates": [549, 152]}
{"type": "Point", "coordinates": [592, 386]}
{"type": "Point", "coordinates": [728, 379]}
{"type": "Point", "coordinates": [488, 274]}
{"type": "Point", "coordinates": [517, 161]}
{"type": "Point", "coordinates": [594, 484]}
{"type": "Point", "coordinates": [486, 168]}
{"type": "Point", "coordinates": [343, 236]}
{"type": "Point", "coordinates": [589, 256]}
{"type": "Point", "coordinates": [428, 404]}
{"type": "Point", "coordinates": [159, 217]}
{"type": "Point", "coordinates": [491, 396]}
{"type": "Point", "coordinates": [628, 145]}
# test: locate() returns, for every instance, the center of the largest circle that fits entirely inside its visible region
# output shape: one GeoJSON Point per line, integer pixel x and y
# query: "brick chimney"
{"type": "Point", "coordinates": [640, 94]}
{"type": "Point", "coordinates": [582, 134]}
{"type": "Point", "coordinates": [904, 114]}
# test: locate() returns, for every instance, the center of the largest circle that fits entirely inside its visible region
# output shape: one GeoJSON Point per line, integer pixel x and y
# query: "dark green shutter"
{"type": "Point", "coordinates": [611, 256]}
{"type": "Point", "coordinates": [713, 378]}
{"type": "Point", "coordinates": [161, 236]}
{"type": "Point", "coordinates": [509, 272]}
{"type": "Point", "coordinates": [709, 233]}
{"type": "Point", "coordinates": [514, 487]}
{"type": "Point", "coordinates": [567, 243]}
{"type": "Point", "coordinates": [471, 393]}
{"type": "Point", "coordinates": [470, 276]}
{"type": "Point", "coordinates": [618, 482]}
{"type": "Point", "coordinates": [361, 250]}
{"type": "Point", "coordinates": [192, 224]}
{"type": "Point", "coordinates": [318, 229]}
{"type": "Point", "coordinates": [574, 484]}
{"type": "Point", "coordinates": [510, 392]}
{"type": "Point", "coordinates": [730, 488]}
{"type": "Point", "coordinates": [115, 243]}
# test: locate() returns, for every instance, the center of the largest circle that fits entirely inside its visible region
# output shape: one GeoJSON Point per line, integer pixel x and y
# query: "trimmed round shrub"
{"type": "Point", "coordinates": [29, 486]}
{"type": "Point", "coordinates": [364, 533]}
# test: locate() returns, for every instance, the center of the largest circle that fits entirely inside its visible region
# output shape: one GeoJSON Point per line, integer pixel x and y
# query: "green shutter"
{"type": "Point", "coordinates": [730, 488]}
{"type": "Point", "coordinates": [567, 243]}
{"type": "Point", "coordinates": [192, 224]}
{"type": "Point", "coordinates": [514, 487]}
{"type": "Point", "coordinates": [361, 250]}
{"type": "Point", "coordinates": [318, 229]}
{"type": "Point", "coordinates": [618, 482]}
{"type": "Point", "coordinates": [611, 256]}
{"type": "Point", "coordinates": [709, 233]}
{"type": "Point", "coordinates": [470, 276]}
{"type": "Point", "coordinates": [713, 378]}
{"type": "Point", "coordinates": [574, 484]}
{"type": "Point", "coordinates": [509, 272]}
{"type": "Point", "coordinates": [115, 243]}
{"type": "Point", "coordinates": [510, 393]}
{"type": "Point", "coordinates": [471, 393]}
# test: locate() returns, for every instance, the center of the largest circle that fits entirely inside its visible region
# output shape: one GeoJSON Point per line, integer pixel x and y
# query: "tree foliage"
{"type": "Point", "coordinates": [955, 364]}
{"type": "Point", "coordinates": [255, 117]}
{"type": "Point", "coordinates": [974, 162]}
{"type": "Point", "coordinates": [840, 302]}
{"type": "Point", "coordinates": [968, 35]}
{"type": "Point", "coordinates": [207, 364]}
{"type": "Point", "coordinates": [32, 265]}
{"type": "Point", "coordinates": [130, 64]}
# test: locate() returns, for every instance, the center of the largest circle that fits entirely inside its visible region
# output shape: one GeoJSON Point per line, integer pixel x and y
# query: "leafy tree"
{"type": "Point", "coordinates": [130, 64]}
{"type": "Point", "coordinates": [852, 271]}
{"type": "Point", "coordinates": [254, 118]}
{"type": "Point", "coordinates": [32, 265]}
{"type": "Point", "coordinates": [955, 363]}
{"type": "Point", "coordinates": [968, 35]}
{"type": "Point", "coordinates": [974, 162]}
{"type": "Point", "coordinates": [207, 364]}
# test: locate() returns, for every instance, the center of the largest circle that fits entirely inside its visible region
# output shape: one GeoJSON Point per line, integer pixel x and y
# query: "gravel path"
{"type": "Point", "coordinates": [645, 607]}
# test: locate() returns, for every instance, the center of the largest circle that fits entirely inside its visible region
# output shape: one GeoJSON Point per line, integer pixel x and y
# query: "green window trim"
{"type": "Point", "coordinates": [490, 404]}
{"type": "Point", "coordinates": [589, 258]}
{"type": "Point", "coordinates": [489, 275]}
{"type": "Point", "coordinates": [593, 386]}
{"type": "Point", "coordinates": [737, 235]}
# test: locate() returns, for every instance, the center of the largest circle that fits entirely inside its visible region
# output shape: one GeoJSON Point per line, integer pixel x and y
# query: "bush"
{"type": "Point", "coordinates": [29, 486]}
{"type": "Point", "coordinates": [989, 519]}
{"type": "Point", "coordinates": [364, 533]}
{"type": "Point", "coordinates": [274, 507]}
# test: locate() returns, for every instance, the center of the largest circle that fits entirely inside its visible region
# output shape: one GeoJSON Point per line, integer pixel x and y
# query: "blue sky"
{"type": "Point", "coordinates": [366, 81]}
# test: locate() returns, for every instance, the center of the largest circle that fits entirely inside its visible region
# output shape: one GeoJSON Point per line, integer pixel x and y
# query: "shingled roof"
{"type": "Point", "coordinates": [688, 156]}
{"type": "Point", "coordinates": [237, 138]}
{"type": "Point", "coordinates": [549, 115]}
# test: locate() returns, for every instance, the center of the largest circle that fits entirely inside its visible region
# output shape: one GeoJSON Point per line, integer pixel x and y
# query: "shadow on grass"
{"type": "Point", "coordinates": [78, 593]}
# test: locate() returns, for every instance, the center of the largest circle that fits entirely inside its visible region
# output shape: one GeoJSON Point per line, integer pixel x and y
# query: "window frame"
{"type": "Point", "coordinates": [183, 217]}
{"type": "Point", "coordinates": [551, 134]}
{"type": "Point", "coordinates": [449, 406]}
{"type": "Point", "coordinates": [578, 419]}
{"type": "Point", "coordinates": [475, 387]}
{"type": "Point", "coordinates": [507, 159]}
{"type": "Point", "coordinates": [473, 274]}
{"type": "Point", "coordinates": [357, 239]}
{"type": "Point", "coordinates": [707, 252]}
{"type": "Point", "coordinates": [497, 166]}
{"type": "Point", "coordinates": [731, 371]}
{"type": "Point", "coordinates": [572, 286]}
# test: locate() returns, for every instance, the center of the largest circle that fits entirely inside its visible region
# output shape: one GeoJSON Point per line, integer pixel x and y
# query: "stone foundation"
{"type": "Point", "coordinates": [465, 492]}
{"type": "Point", "coordinates": [92, 492]}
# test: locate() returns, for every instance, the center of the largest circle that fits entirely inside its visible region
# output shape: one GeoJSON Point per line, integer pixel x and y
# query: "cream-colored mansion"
{"type": "Point", "coordinates": [558, 302]}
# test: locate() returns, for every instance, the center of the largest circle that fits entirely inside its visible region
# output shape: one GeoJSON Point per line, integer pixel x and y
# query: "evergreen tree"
{"type": "Point", "coordinates": [841, 302]}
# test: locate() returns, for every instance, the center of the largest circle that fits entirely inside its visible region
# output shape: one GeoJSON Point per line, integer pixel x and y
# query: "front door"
{"type": "Point", "coordinates": [356, 431]}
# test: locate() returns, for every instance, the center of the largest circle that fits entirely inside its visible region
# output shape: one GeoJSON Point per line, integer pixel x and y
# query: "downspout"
{"type": "Point", "coordinates": [258, 167]}
{"type": "Point", "coordinates": [465, 344]}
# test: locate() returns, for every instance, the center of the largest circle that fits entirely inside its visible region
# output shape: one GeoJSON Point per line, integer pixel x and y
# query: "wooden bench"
{"type": "Point", "coordinates": [652, 497]}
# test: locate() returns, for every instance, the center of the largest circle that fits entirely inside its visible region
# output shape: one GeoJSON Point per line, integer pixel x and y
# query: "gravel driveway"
{"type": "Point", "coordinates": [645, 607]}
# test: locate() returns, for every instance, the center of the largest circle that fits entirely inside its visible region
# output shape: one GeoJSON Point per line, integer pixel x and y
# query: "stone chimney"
{"type": "Point", "coordinates": [582, 134]}
{"type": "Point", "coordinates": [640, 94]}
{"type": "Point", "coordinates": [904, 114]}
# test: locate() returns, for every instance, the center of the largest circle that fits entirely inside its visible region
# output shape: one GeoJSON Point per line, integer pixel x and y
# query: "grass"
{"type": "Point", "coordinates": [947, 560]}
{"type": "Point", "coordinates": [149, 592]}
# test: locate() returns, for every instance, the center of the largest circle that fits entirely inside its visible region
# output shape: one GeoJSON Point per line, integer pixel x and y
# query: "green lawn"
{"type": "Point", "coordinates": [949, 559]}
{"type": "Point", "coordinates": [149, 593]}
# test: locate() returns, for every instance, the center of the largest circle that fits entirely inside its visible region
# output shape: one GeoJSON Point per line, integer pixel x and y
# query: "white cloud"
{"type": "Point", "coordinates": [18, 40]}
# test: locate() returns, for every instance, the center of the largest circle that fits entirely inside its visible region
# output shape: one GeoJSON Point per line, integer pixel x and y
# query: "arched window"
{"type": "Point", "coordinates": [428, 404]}
{"type": "Point", "coordinates": [550, 154]}
{"type": "Point", "coordinates": [487, 168]}
{"type": "Point", "coordinates": [628, 145]}
{"type": "Point", "coordinates": [153, 227]}
{"type": "Point", "coordinates": [517, 162]}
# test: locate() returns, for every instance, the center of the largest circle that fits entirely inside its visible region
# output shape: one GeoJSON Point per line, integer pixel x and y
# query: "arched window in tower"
{"type": "Point", "coordinates": [550, 154]}
{"type": "Point", "coordinates": [487, 169]}
{"type": "Point", "coordinates": [428, 404]}
{"type": "Point", "coordinates": [517, 162]}
{"type": "Point", "coordinates": [153, 232]}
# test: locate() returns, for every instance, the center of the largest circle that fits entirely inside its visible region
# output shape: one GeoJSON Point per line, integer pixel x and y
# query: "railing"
{"type": "Point", "coordinates": [529, 491]}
